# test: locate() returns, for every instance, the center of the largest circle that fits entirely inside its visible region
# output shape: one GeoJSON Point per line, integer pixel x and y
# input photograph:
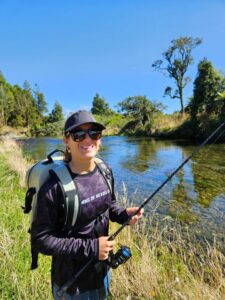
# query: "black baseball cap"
{"type": "Point", "coordinates": [80, 118]}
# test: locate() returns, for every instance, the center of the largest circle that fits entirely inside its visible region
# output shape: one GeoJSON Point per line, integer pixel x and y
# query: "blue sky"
{"type": "Point", "coordinates": [75, 49]}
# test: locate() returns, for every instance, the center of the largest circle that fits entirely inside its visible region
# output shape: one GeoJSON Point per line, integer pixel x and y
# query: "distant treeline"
{"type": "Point", "coordinates": [26, 107]}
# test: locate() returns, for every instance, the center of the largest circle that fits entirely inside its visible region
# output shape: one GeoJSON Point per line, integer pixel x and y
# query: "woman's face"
{"type": "Point", "coordinates": [85, 149]}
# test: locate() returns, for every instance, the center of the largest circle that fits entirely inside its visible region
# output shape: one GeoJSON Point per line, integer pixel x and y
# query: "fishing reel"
{"type": "Point", "coordinates": [119, 258]}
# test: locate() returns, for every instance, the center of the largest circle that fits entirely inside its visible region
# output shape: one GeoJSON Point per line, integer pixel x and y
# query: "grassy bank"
{"type": "Point", "coordinates": [165, 265]}
{"type": "Point", "coordinates": [160, 126]}
{"type": "Point", "coordinates": [16, 279]}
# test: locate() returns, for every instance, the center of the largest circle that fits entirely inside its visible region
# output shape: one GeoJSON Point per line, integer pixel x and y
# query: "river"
{"type": "Point", "coordinates": [196, 194]}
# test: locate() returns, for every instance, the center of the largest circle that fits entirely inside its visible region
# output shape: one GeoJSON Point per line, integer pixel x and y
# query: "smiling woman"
{"type": "Point", "coordinates": [86, 241]}
{"type": "Point", "coordinates": [82, 139]}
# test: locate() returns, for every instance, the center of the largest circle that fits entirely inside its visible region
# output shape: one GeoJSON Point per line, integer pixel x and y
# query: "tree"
{"type": "Point", "coordinates": [40, 100]}
{"type": "Point", "coordinates": [6, 103]}
{"type": "Point", "coordinates": [140, 108]}
{"type": "Point", "coordinates": [24, 112]}
{"type": "Point", "coordinates": [208, 85]}
{"type": "Point", "coordinates": [100, 106]}
{"type": "Point", "coordinates": [2, 78]}
{"type": "Point", "coordinates": [25, 107]}
{"type": "Point", "coordinates": [177, 59]}
{"type": "Point", "coordinates": [221, 99]}
{"type": "Point", "coordinates": [26, 85]}
{"type": "Point", "coordinates": [6, 100]}
{"type": "Point", "coordinates": [17, 116]}
{"type": "Point", "coordinates": [57, 113]}
{"type": "Point", "coordinates": [2, 105]}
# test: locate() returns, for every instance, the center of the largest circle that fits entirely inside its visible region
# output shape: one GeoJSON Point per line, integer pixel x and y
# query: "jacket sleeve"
{"type": "Point", "coordinates": [117, 214]}
{"type": "Point", "coordinates": [47, 236]}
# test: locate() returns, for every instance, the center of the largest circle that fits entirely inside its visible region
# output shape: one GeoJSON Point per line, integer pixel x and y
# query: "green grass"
{"type": "Point", "coordinates": [17, 281]}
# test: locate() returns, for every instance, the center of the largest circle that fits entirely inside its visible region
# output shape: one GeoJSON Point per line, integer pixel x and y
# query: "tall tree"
{"type": "Point", "coordinates": [176, 61]}
{"type": "Point", "coordinates": [2, 105]}
{"type": "Point", "coordinates": [6, 100]}
{"type": "Point", "coordinates": [207, 86]}
{"type": "Point", "coordinates": [41, 103]}
{"type": "Point", "coordinates": [40, 100]}
{"type": "Point", "coordinates": [26, 86]}
{"type": "Point", "coordinates": [100, 106]}
{"type": "Point", "coordinates": [17, 116]}
{"type": "Point", "coordinates": [2, 78]}
{"type": "Point", "coordinates": [57, 113]}
{"type": "Point", "coordinates": [24, 111]}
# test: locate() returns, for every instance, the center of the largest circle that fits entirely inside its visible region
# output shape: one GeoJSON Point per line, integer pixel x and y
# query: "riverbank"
{"type": "Point", "coordinates": [165, 265]}
{"type": "Point", "coordinates": [161, 126]}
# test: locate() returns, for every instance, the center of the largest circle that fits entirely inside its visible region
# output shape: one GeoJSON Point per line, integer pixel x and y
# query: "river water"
{"type": "Point", "coordinates": [195, 195]}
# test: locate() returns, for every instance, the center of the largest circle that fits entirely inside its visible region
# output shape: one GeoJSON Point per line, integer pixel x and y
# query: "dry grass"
{"type": "Point", "coordinates": [167, 265]}
{"type": "Point", "coordinates": [168, 122]}
{"type": "Point", "coordinates": [11, 152]}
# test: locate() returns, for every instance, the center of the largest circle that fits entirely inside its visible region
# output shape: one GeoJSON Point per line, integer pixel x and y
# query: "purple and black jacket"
{"type": "Point", "coordinates": [70, 250]}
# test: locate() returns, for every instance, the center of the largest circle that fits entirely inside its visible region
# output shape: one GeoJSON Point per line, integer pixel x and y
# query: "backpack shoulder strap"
{"type": "Point", "coordinates": [106, 172]}
{"type": "Point", "coordinates": [70, 192]}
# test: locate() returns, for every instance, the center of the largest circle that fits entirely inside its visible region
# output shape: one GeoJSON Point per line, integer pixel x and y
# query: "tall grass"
{"type": "Point", "coordinates": [16, 279]}
{"type": "Point", "coordinates": [165, 263]}
{"type": "Point", "coordinates": [12, 155]}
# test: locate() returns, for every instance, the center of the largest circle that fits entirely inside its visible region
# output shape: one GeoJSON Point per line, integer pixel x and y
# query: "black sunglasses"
{"type": "Point", "coordinates": [79, 135]}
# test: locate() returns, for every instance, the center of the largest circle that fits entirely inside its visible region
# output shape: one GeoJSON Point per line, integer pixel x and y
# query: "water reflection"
{"type": "Point", "coordinates": [38, 148]}
{"type": "Point", "coordinates": [209, 174]}
{"type": "Point", "coordinates": [181, 203]}
{"type": "Point", "coordinates": [143, 157]}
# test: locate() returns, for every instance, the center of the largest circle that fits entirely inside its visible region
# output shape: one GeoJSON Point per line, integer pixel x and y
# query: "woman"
{"type": "Point", "coordinates": [88, 240]}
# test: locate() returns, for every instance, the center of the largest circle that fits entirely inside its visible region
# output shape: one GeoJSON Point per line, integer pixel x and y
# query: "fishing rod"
{"type": "Point", "coordinates": [124, 253]}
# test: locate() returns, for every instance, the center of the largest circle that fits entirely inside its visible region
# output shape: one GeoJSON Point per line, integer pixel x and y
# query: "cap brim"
{"type": "Point", "coordinates": [99, 125]}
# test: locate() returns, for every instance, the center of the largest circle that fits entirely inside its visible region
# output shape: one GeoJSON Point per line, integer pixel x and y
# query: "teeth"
{"type": "Point", "coordinates": [86, 147]}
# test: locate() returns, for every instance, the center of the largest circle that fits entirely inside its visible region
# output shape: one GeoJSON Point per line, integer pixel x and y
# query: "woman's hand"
{"type": "Point", "coordinates": [105, 247]}
{"type": "Point", "coordinates": [131, 210]}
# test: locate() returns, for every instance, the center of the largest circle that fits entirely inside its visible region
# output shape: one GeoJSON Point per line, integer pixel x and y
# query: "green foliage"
{"type": "Point", "coordinates": [6, 101]}
{"type": "Point", "coordinates": [52, 129]}
{"type": "Point", "coordinates": [100, 106]}
{"type": "Point", "coordinates": [208, 88]}
{"type": "Point", "coordinates": [26, 107]}
{"type": "Point", "coordinates": [140, 108]}
{"type": "Point", "coordinates": [177, 59]}
{"type": "Point", "coordinates": [113, 122]}
{"type": "Point", "coordinates": [2, 78]}
{"type": "Point", "coordinates": [56, 114]}
{"type": "Point", "coordinates": [41, 102]}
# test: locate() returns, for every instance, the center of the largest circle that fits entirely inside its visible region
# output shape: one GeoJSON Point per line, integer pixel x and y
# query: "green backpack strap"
{"type": "Point", "coordinates": [72, 202]}
{"type": "Point", "coordinates": [106, 172]}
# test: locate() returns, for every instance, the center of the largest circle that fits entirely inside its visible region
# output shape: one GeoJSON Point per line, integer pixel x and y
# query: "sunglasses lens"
{"type": "Point", "coordinates": [95, 135]}
{"type": "Point", "coordinates": [78, 136]}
